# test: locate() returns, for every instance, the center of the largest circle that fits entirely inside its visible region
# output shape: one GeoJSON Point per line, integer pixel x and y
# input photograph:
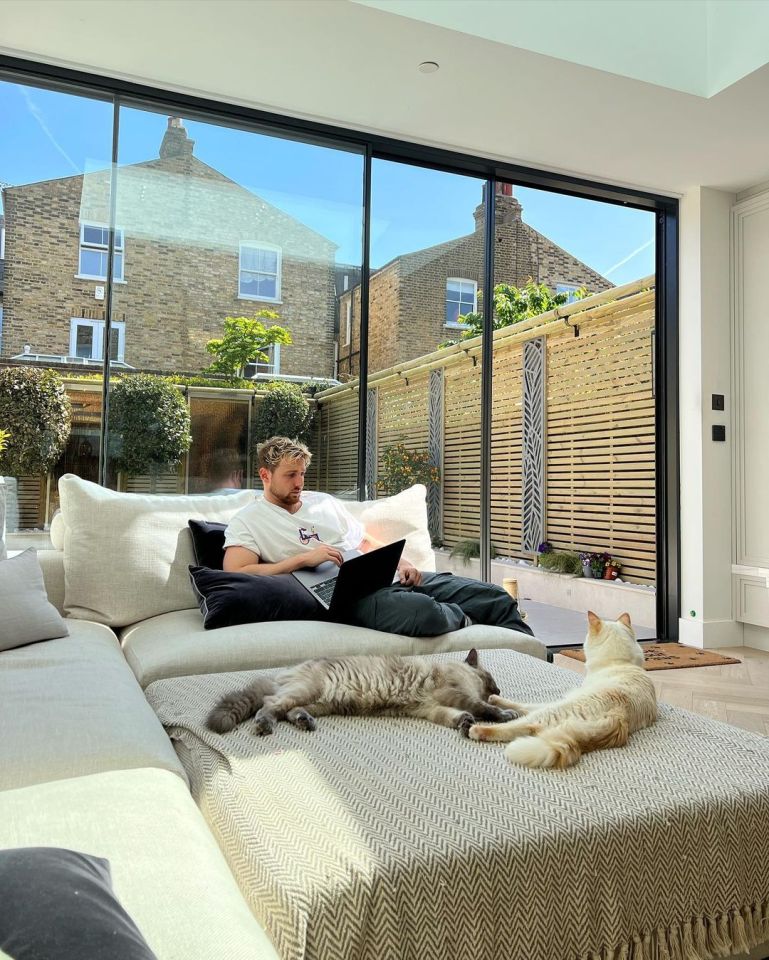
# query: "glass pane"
{"type": "Point", "coordinates": [424, 393]}
{"type": "Point", "coordinates": [84, 341]}
{"type": "Point", "coordinates": [117, 266]}
{"type": "Point", "coordinates": [95, 235]}
{"type": "Point", "coordinates": [114, 343]}
{"type": "Point", "coordinates": [573, 415]}
{"type": "Point", "coordinates": [209, 213]}
{"type": "Point", "coordinates": [93, 263]}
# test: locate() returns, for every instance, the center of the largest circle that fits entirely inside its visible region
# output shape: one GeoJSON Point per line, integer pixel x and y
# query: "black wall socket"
{"type": "Point", "coordinates": [718, 431]}
{"type": "Point", "coordinates": [717, 401]}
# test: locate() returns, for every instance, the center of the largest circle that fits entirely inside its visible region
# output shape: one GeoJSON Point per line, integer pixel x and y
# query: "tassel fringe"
{"type": "Point", "coordinates": [701, 938]}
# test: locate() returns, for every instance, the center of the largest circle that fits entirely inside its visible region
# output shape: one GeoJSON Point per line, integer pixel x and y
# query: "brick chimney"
{"type": "Point", "coordinates": [176, 143]}
{"type": "Point", "coordinates": [507, 208]}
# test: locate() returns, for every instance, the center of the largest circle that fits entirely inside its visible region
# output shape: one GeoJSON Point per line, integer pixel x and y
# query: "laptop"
{"type": "Point", "coordinates": [337, 588]}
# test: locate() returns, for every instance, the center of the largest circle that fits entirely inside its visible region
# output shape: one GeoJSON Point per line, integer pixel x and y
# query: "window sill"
{"type": "Point", "coordinates": [457, 326]}
{"type": "Point", "coordinates": [246, 296]}
{"type": "Point", "coordinates": [83, 276]}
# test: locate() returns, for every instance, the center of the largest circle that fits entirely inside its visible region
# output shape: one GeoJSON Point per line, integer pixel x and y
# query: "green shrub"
{"type": "Point", "coordinates": [561, 561]}
{"type": "Point", "coordinates": [400, 468]}
{"type": "Point", "coordinates": [466, 550]}
{"type": "Point", "coordinates": [36, 412]}
{"type": "Point", "coordinates": [282, 412]}
{"type": "Point", "coordinates": [149, 424]}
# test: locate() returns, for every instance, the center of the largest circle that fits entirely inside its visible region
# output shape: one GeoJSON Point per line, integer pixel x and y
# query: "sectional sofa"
{"type": "Point", "coordinates": [84, 762]}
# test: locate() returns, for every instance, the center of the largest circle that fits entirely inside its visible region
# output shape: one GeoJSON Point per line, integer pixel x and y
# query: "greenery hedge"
{"type": "Point", "coordinates": [149, 424]}
{"type": "Point", "coordinates": [36, 412]}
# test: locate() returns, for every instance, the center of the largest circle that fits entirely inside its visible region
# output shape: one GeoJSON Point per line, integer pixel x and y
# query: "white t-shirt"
{"type": "Point", "coordinates": [274, 534]}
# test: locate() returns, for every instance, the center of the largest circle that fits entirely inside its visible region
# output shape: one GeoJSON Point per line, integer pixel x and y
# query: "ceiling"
{"type": "Point", "coordinates": [354, 65]}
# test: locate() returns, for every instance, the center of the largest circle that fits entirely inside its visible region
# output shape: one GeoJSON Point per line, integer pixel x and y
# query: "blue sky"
{"type": "Point", "coordinates": [57, 135]}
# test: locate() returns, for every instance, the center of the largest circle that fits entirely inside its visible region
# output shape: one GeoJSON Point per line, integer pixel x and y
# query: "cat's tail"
{"type": "Point", "coordinates": [237, 707]}
{"type": "Point", "coordinates": [562, 745]}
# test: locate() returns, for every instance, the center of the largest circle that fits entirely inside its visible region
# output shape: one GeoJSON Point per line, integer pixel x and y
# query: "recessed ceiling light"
{"type": "Point", "coordinates": [429, 66]}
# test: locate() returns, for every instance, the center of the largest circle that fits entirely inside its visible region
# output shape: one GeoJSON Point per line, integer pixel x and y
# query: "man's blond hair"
{"type": "Point", "coordinates": [276, 449]}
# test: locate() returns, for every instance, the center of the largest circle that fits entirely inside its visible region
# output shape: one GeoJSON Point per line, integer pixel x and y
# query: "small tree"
{"type": "Point", "coordinates": [513, 304]}
{"type": "Point", "coordinates": [244, 341]}
{"type": "Point", "coordinates": [284, 412]}
{"type": "Point", "coordinates": [37, 415]}
{"type": "Point", "coordinates": [149, 424]}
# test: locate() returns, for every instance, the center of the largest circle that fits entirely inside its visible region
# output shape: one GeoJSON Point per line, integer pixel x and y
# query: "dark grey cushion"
{"type": "Point", "coordinates": [58, 904]}
{"type": "Point", "coordinates": [227, 599]}
{"type": "Point", "coordinates": [208, 543]}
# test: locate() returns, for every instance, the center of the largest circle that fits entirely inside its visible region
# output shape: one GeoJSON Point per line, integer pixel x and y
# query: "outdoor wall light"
{"type": "Point", "coordinates": [429, 66]}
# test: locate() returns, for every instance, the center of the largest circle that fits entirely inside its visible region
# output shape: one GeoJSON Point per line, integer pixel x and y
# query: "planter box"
{"type": "Point", "coordinates": [607, 598]}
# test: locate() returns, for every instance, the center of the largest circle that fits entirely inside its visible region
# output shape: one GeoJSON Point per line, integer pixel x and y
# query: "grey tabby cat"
{"type": "Point", "coordinates": [452, 693]}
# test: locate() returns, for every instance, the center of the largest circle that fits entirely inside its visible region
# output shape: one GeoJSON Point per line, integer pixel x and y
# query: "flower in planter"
{"type": "Point", "coordinates": [598, 563]}
{"type": "Point", "coordinates": [613, 564]}
{"type": "Point", "coordinates": [545, 547]}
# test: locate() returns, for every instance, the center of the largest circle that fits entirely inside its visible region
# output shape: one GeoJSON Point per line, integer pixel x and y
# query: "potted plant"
{"type": "Point", "coordinates": [467, 550]}
{"type": "Point", "coordinates": [561, 561]}
{"type": "Point", "coordinates": [542, 550]}
{"type": "Point", "coordinates": [598, 564]}
{"type": "Point", "coordinates": [612, 568]}
{"type": "Point", "coordinates": [283, 411]}
{"type": "Point", "coordinates": [584, 557]}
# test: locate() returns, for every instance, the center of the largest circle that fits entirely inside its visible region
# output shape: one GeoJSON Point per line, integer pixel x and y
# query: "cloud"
{"type": "Point", "coordinates": [37, 113]}
{"type": "Point", "coordinates": [630, 256]}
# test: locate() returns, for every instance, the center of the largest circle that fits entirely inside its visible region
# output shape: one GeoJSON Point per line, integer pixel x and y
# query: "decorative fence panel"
{"type": "Point", "coordinates": [593, 454]}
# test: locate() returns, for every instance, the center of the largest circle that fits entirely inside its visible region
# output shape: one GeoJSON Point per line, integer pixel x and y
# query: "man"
{"type": "Point", "coordinates": [286, 529]}
{"type": "Point", "coordinates": [226, 472]}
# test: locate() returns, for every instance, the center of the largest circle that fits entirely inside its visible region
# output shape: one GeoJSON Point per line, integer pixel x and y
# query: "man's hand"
{"type": "Point", "coordinates": [321, 554]}
{"type": "Point", "coordinates": [408, 574]}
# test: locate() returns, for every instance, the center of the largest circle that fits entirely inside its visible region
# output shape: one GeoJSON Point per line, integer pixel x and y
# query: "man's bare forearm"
{"type": "Point", "coordinates": [270, 569]}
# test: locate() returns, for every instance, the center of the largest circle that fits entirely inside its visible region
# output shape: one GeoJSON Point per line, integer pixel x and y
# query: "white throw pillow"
{"type": "Point", "coordinates": [402, 515]}
{"type": "Point", "coordinates": [26, 614]}
{"type": "Point", "coordinates": [56, 533]}
{"type": "Point", "coordinates": [126, 554]}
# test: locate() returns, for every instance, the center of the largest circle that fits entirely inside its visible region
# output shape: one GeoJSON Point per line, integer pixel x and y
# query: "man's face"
{"type": "Point", "coordinates": [286, 482]}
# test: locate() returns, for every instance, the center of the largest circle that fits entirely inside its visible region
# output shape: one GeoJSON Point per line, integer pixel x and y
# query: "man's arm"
{"type": "Point", "coordinates": [408, 574]}
{"type": "Point", "coordinates": [242, 560]}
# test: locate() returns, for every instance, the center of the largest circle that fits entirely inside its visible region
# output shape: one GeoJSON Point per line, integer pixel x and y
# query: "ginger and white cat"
{"type": "Point", "coordinates": [616, 699]}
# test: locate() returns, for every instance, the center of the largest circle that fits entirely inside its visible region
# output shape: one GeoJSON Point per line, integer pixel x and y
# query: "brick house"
{"type": "Point", "coordinates": [416, 301]}
{"type": "Point", "coordinates": [192, 247]}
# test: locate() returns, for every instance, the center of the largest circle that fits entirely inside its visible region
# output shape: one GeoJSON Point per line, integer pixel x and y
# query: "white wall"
{"type": "Point", "coordinates": [707, 618]}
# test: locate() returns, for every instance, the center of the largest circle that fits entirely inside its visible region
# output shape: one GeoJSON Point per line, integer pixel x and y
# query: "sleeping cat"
{"type": "Point", "coordinates": [451, 693]}
{"type": "Point", "coordinates": [616, 699]}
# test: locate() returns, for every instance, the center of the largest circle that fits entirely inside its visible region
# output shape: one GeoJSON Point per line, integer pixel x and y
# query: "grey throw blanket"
{"type": "Point", "coordinates": [393, 839]}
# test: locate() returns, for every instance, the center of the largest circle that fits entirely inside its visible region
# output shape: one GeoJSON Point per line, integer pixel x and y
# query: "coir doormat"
{"type": "Point", "coordinates": [669, 656]}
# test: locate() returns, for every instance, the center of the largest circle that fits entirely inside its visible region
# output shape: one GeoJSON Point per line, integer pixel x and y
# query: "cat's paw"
{"type": "Point", "coordinates": [464, 723]}
{"type": "Point", "coordinates": [505, 716]}
{"type": "Point", "coordinates": [480, 731]}
{"type": "Point", "coordinates": [304, 720]}
{"type": "Point", "coordinates": [264, 726]}
{"type": "Point", "coordinates": [505, 704]}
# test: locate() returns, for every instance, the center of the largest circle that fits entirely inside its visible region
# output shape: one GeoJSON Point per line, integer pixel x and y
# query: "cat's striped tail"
{"type": "Point", "coordinates": [237, 707]}
{"type": "Point", "coordinates": [562, 745]}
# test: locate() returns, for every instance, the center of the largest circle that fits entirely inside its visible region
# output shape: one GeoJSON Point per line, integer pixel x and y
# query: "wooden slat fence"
{"type": "Point", "coordinates": [600, 429]}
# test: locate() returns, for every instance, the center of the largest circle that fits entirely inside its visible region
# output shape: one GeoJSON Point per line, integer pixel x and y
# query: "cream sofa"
{"type": "Point", "coordinates": [85, 763]}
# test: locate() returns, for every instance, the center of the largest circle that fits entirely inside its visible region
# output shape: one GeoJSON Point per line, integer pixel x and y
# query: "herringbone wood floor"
{"type": "Point", "coordinates": [737, 693]}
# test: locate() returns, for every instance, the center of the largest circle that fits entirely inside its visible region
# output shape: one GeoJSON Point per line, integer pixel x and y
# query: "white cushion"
{"type": "Point", "coordinates": [56, 533]}
{"type": "Point", "coordinates": [175, 644]}
{"type": "Point", "coordinates": [126, 554]}
{"type": "Point", "coordinates": [402, 515]}
{"type": "Point", "coordinates": [71, 706]}
{"type": "Point", "coordinates": [167, 870]}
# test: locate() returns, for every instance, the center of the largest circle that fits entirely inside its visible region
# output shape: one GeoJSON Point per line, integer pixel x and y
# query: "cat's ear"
{"type": "Point", "coordinates": [624, 618]}
{"type": "Point", "coordinates": [593, 621]}
{"type": "Point", "coordinates": [472, 658]}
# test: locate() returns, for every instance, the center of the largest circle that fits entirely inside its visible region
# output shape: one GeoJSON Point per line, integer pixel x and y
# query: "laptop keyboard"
{"type": "Point", "coordinates": [324, 591]}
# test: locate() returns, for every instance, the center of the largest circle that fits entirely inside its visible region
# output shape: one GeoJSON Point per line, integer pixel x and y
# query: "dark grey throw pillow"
{"type": "Point", "coordinates": [208, 543]}
{"type": "Point", "coordinates": [58, 904]}
{"type": "Point", "coordinates": [227, 599]}
{"type": "Point", "coordinates": [26, 614]}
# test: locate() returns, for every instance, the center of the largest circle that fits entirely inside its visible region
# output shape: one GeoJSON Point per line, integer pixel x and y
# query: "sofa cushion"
{"type": "Point", "coordinates": [176, 644]}
{"type": "Point", "coordinates": [208, 543]}
{"type": "Point", "coordinates": [60, 903]}
{"type": "Point", "coordinates": [72, 706]}
{"type": "Point", "coordinates": [167, 870]}
{"type": "Point", "coordinates": [126, 554]}
{"type": "Point", "coordinates": [52, 567]}
{"type": "Point", "coordinates": [228, 599]}
{"type": "Point", "coordinates": [404, 515]}
{"type": "Point", "coordinates": [26, 614]}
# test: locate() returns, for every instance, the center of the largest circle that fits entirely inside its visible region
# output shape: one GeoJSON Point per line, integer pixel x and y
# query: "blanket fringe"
{"type": "Point", "coordinates": [701, 938]}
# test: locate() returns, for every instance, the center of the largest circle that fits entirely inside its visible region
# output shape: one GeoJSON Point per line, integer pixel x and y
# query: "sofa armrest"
{"type": "Point", "coordinates": [52, 565]}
